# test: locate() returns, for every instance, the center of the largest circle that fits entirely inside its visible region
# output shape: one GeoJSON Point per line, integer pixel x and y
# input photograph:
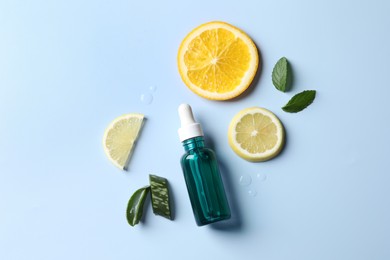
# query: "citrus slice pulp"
{"type": "Point", "coordinates": [120, 137]}
{"type": "Point", "coordinates": [256, 134]}
{"type": "Point", "coordinates": [217, 61]}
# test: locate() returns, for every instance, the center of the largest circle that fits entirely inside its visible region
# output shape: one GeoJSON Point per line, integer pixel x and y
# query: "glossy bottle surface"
{"type": "Point", "coordinates": [204, 183]}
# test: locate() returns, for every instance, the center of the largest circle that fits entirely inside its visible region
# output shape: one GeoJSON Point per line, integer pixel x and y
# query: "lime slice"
{"type": "Point", "coordinates": [120, 137]}
{"type": "Point", "coordinates": [256, 134]}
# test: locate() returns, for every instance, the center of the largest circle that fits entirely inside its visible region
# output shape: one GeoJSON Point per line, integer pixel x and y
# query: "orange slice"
{"type": "Point", "coordinates": [217, 61]}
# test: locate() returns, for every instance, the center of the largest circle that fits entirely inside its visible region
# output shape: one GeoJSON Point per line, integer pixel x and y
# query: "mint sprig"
{"type": "Point", "coordinates": [300, 101]}
{"type": "Point", "coordinates": [281, 75]}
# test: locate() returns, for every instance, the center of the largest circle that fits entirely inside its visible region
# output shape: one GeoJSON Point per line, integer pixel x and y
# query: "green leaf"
{"type": "Point", "coordinates": [136, 205]}
{"type": "Point", "coordinates": [300, 101]}
{"type": "Point", "coordinates": [281, 75]}
{"type": "Point", "coordinates": [160, 196]}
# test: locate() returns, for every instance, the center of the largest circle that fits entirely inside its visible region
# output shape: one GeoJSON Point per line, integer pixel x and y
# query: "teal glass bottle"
{"type": "Point", "coordinates": [201, 173]}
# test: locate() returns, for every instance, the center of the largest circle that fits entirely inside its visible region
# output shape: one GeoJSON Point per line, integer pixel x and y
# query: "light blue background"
{"type": "Point", "coordinates": [68, 67]}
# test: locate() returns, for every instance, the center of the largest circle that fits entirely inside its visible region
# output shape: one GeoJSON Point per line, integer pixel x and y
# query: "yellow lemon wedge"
{"type": "Point", "coordinates": [120, 137]}
{"type": "Point", "coordinates": [217, 61]}
{"type": "Point", "coordinates": [256, 134]}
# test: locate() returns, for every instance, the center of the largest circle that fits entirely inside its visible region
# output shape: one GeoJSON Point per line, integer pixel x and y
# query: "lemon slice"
{"type": "Point", "coordinates": [217, 61]}
{"type": "Point", "coordinates": [119, 138]}
{"type": "Point", "coordinates": [256, 134]}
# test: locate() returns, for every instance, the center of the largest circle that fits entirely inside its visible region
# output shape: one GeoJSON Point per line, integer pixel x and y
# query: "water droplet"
{"type": "Point", "coordinates": [153, 88]}
{"type": "Point", "coordinates": [146, 99]}
{"type": "Point", "coordinates": [261, 176]}
{"type": "Point", "coordinates": [245, 180]}
{"type": "Point", "coordinates": [252, 193]}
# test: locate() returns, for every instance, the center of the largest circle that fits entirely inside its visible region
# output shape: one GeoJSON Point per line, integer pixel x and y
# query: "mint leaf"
{"type": "Point", "coordinates": [300, 101]}
{"type": "Point", "coordinates": [281, 75]}
{"type": "Point", "coordinates": [135, 206]}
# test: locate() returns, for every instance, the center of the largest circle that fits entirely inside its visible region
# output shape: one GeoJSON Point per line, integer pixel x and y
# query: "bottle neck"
{"type": "Point", "coordinates": [193, 143]}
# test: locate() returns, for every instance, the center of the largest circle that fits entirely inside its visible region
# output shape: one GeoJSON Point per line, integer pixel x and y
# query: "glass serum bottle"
{"type": "Point", "coordinates": [201, 172]}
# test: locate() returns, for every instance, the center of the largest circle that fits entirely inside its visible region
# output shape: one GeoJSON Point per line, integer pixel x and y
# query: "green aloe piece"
{"type": "Point", "coordinates": [160, 196]}
{"type": "Point", "coordinates": [135, 206]}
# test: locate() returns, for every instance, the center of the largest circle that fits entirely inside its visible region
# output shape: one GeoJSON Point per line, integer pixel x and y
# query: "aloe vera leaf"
{"type": "Point", "coordinates": [160, 196]}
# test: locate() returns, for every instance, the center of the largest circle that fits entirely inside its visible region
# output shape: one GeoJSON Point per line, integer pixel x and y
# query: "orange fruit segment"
{"type": "Point", "coordinates": [217, 61]}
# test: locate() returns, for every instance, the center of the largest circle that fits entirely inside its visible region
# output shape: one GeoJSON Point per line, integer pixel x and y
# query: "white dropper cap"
{"type": "Point", "coordinates": [189, 127]}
